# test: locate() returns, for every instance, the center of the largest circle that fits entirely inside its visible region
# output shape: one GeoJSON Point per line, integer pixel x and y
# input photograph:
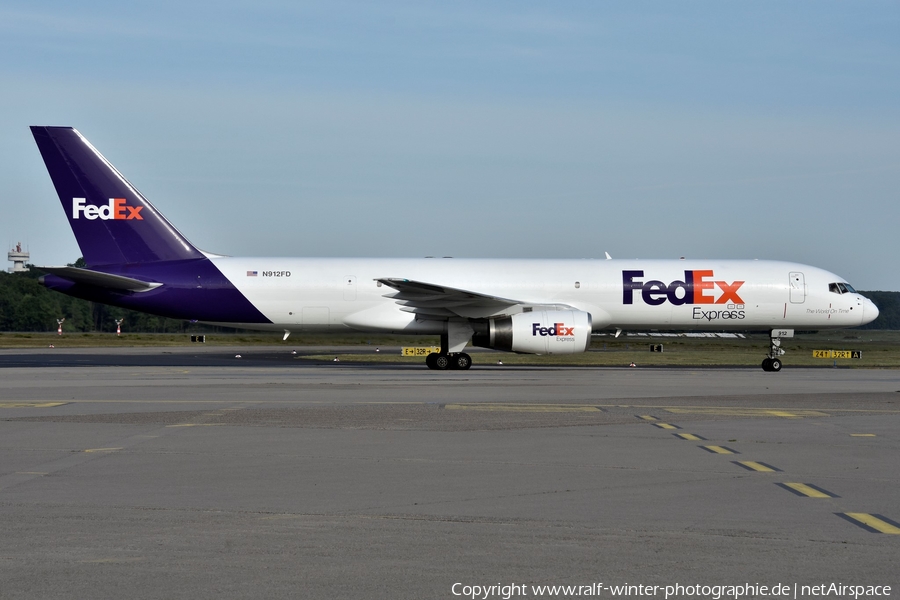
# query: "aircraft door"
{"type": "Point", "coordinates": [349, 287]}
{"type": "Point", "coordinates": [798, 287]}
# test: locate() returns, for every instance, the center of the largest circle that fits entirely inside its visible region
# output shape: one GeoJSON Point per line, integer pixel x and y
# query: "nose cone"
{"type": "Point", "coordinates": [870, 312]}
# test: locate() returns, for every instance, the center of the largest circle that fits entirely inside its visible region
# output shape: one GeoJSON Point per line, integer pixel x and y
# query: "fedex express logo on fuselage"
{"type": "Point", "coordinates": [698, 287]}
{"type": "Point", "coordinates": [117, 210]}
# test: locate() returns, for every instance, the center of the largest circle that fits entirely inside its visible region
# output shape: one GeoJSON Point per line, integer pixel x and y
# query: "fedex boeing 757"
{"type": "Point", "coordinates": [136, 259]}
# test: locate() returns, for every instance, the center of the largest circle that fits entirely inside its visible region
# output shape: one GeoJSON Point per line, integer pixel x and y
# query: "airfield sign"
{"type": "Point", "coordinates": [837, 353]}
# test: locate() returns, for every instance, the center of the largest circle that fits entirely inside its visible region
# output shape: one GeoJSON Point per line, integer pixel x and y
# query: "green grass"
{"type": "Point", "coordinates": [110, 340]}
{"type": "Point", "coordinates": [881, 349]}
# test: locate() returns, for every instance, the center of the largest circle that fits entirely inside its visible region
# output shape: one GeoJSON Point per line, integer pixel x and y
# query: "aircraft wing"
{"type": "Point", "coordinates": [440, 301]}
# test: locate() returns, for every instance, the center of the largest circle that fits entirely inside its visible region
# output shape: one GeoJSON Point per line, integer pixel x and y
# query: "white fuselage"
{"type": "Point", "coordinates": [330, 294]}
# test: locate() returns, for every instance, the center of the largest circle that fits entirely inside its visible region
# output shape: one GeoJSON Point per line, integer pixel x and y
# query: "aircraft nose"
{"type": "Point", "coordinates": [870, 312]}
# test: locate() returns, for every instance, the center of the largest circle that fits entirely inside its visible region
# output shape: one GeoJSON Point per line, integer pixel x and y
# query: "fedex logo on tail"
{"type": "Point", "coordinates": [698, 287]}
{"type": "Point", "coordinates": [117, 210]}
{"type": "Point", "coordinates": [557, 330]}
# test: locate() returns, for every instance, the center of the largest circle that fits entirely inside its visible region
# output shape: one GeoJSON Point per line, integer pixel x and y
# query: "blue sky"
{"type": "Point", "coordinates": [472, 129]}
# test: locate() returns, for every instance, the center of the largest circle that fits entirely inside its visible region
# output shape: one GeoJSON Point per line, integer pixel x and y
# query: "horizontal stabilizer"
{"type": "Point", "coordinates": [101, 280]}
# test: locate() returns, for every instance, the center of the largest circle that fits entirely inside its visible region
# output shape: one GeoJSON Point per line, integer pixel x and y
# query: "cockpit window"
{"type": "Point", "coordinates": [841, 288]}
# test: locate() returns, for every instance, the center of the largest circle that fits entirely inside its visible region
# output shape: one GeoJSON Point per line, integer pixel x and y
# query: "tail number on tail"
{"type": "Point", "coordinates": [117, 210]}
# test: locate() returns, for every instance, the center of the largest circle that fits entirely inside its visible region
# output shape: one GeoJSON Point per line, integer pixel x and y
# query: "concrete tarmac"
{"type": "Point", "coordinates": [172, 474]}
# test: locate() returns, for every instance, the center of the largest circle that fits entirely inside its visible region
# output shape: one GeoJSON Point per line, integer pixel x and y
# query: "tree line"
{"type": "Point", "coordinates": [888, 304]}
{"type": "Point", "coordinates": [26, 305]}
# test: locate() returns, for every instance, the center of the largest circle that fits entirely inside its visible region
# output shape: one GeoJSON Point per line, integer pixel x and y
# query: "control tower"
{"type": "Point", "coordinates": [18, 259]}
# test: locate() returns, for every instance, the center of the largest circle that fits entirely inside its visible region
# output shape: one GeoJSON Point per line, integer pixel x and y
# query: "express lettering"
{"type": "Point", "coordinates": [116, 210]}
{"type": "Point", "coordinates": [713, 315]}
{"type": "Point", "coordinates": [558, 329]}
{"type": "Point", "coordinates": [698, 287]}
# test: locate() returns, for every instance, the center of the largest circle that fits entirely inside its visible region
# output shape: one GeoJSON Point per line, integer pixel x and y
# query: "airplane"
{"type": "Point", "coordinates": [136, 259]}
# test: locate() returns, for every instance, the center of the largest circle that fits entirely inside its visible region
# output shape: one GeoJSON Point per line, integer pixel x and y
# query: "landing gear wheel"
{"type": "Point", "coordinates": [441, 362]}
{"type": "Point", "coordinates": [772, 363]}
{"type": "Point", "coordinates": [461, 361]}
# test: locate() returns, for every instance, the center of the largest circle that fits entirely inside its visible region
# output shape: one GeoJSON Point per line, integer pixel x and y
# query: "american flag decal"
{"type": "Point", "coordinates": [251, 273]}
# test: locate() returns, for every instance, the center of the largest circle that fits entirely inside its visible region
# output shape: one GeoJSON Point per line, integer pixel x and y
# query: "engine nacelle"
{"type": "Point", "coordinates": [537, 332]}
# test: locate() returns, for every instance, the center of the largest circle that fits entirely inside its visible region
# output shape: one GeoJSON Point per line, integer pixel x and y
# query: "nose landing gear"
{"type": "Point", "coordinates": [772, 362]}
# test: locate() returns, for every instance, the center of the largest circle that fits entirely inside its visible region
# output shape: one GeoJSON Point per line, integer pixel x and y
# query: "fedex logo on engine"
{"type": "Point", "coordinates": [116, 210]}
{"type": "Point", "coordinates": [698, 287]}
{"type": "Point", "coordinates": [557, 330]}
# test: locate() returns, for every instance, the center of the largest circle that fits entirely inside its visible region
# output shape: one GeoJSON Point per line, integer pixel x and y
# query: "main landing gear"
{"type": "Point", "coordinates": [457, 334]}
{"type": "Point", "coordinates": [455, 361]}
{"type": "Point", "coordinates": [772, 362]}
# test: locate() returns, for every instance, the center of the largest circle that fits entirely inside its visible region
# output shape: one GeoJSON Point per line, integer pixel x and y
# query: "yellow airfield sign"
{"type": "Point", "coordinates": [837, 353]}
{"type": "Point", "coordinates": [419, 350]}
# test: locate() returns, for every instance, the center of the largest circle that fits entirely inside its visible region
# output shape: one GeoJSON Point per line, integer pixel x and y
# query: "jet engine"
{"type": "Point", "coordinates": [536, 332]}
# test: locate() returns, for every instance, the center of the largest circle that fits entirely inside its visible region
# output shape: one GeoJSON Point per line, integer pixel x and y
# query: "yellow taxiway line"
{"type": "Point", "coordinates": [665, 426]}
{"type": "Point", "coordinates": [502, 407]}
{"type": "Point", "coordinates": [719, 449]}
{"type": "Point", "coordinates": [752, 465]}
{"type": "Point", "coordinates": [807, 489]}
{"type": "Point", "coordinates": [873, 523]}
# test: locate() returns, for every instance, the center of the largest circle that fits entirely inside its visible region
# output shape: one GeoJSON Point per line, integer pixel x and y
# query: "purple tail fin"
{"type": "Point", "coordinates": [113, 223]}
